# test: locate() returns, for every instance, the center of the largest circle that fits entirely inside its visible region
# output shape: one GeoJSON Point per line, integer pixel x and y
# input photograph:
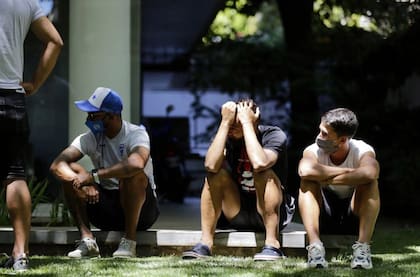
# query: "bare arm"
{"type": "Point", "coordinates": [45, 31]}
{"type": "Point", "coordinates": [134, 164]}
{"type": "Point", "coordinates": [310, 169]}
{"type": "Point", "coordinates": [260, 158]}
{"type": "Point", "coordinates": [367, 172]}
{"type": "Point", "coordinates": [60, 167]}
{"type": "Point", "coordinates": [215, 153]}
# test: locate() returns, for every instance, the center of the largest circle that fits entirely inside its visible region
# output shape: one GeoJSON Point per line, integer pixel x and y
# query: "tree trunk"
{"type": "Point", "coordinates": [296, 17]}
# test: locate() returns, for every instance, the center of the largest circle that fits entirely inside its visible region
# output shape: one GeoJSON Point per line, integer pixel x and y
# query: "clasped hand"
{"type": "Point", "coordinates": [85, 188]}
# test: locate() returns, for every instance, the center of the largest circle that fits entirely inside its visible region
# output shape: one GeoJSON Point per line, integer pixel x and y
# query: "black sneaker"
{"type": "Point", "coordinates": [199, 251]}
{"type": "Point", "coordinates": [269, 253]}
{"type": "Point", "coordinates": [20, 264]}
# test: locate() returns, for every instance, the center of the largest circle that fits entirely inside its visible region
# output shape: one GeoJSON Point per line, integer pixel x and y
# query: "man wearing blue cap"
{"type": "Point", "coordinates": [118, 194]}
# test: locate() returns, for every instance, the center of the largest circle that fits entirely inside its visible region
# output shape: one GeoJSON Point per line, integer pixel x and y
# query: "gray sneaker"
{"type": "Point", "coordinates": [361, 256]}
{"type": "Point", "coordinates": [316, 255]}
{"type": "Point", "coordinates": [85, 248]}
{"type": "Point", "coordinates": [126, 249]}
{"type": "Point", "coordinates": [19, 264]}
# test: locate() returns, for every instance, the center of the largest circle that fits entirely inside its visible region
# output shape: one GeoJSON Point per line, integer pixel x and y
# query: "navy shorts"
{"type": "Point", "coordinates": [14, 132]}
{"type": "Point", "coordinates": [248, 218]}
{"type": "Point", "coordinates": [108, 214]}
{"type": "Point", "coordinates": [336, 216]}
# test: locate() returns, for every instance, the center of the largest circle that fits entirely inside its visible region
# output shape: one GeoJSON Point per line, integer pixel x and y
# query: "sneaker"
{"type": "Point", "coordinates": [20, 264]}
{"type": "Point", "coordinates": [269, 253]}
{"type": "Point", "coordinates": [361, 256]}
{"type": "Point", "coordinates": [126, 249]}
{"type": "Point", "coordinates": [316, 255]}
{"type": "Point", "coordinates": [199, 251]}
{"type": "Point", "coordinates": [85, 248]}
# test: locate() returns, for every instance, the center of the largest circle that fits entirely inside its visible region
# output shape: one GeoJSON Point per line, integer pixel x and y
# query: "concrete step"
{"type": "Point", "coordinates": [156, 237]}
{"type": "Point", "coordinates": [178, 226]}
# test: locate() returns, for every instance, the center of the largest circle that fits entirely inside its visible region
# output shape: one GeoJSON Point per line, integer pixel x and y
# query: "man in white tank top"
{"type": "Point", "coordinates": [118, 194]}
{"type": "Point", "coordinates": [339, 188]}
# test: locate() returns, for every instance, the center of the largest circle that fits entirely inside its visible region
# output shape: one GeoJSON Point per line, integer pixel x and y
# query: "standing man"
{"type": "Point", "coordinates": [16, 18]}
{"type": "Point", "coordinates": [245, 185]}
{"type": "Point", "coordinates": [118, 194]}
{"type": "Point", "coordinates": [339, 188]}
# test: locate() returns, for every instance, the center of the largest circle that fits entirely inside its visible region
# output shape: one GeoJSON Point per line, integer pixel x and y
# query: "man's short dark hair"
{"type": "Point", "coordinates": [343, 121]}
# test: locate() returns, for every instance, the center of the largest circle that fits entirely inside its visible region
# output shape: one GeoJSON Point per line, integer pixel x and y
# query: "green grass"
{"type": "Point", "coordinates": [396, 252]}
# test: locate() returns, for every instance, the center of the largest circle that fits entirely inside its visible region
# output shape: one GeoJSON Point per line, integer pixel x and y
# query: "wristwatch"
{"type": "Point", "coordinates": [95, 176]}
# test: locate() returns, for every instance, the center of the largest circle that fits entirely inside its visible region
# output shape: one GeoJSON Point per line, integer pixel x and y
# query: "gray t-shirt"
{"type": "Point", "coordinates": [105, 152]}
{"type": "Point", "coordinates": [16, 17]}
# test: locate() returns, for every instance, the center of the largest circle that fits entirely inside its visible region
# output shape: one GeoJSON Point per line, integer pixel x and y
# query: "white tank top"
{"type": "Point", "coordinates": [357, 149]}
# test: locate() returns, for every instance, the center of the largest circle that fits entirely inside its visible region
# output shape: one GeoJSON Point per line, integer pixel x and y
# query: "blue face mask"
{"type": "Point", "coordinates": [96, 126]}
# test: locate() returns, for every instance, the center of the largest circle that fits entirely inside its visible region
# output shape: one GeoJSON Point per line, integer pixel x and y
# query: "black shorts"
{"type": "Point", "coordinates": [248, 218]}
{"type": "Point", "coordinates": [108, 215]}
{"type": "Point", "coordinates": [14, 132]}
{"type": "Point", "coordinates": [336, 216]}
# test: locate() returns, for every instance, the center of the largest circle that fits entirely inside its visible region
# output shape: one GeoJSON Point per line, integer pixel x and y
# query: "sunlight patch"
{"type": "Point", "coordinates": [414, 248]}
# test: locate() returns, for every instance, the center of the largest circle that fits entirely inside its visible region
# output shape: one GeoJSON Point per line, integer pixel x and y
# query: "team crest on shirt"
{"type": "Point", "coordinates": [121, 148]}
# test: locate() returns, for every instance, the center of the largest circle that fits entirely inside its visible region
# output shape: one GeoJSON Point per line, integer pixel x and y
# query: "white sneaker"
{"type": "Point", "coordinates": [361, 256]}
{"type": "Point", "coordinates": [86, 248]}
{"type": "Point", "coordinates": [316, 255]}
{"type": "Point", "coordinates": [126, 249]}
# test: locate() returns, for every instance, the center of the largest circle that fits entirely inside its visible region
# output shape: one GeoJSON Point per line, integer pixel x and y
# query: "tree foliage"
{"type": "Point", "coordinates": [351, 53]}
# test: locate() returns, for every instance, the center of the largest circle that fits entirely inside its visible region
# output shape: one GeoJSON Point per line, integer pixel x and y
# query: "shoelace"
{"type": "Point", "coordinates": [125, 244]}
{"type": "Point", "coordinates": [23, 260]}
{"type": "Point", "coordinates": [361, 250]}
{"type": "Point", "coordinates": [88, 244]}
{"type": "Point", "coordinates": [315, 252]}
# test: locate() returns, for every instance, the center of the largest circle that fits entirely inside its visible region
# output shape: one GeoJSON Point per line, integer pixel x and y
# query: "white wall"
{"type": "Point", "coordinates": [99, 39]}
{"type": "Point", "coordinates": [159, 92]}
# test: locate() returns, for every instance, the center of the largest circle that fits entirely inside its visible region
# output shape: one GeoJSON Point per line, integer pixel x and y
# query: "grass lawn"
{"type": "Point", "coordinates": [396, 252]}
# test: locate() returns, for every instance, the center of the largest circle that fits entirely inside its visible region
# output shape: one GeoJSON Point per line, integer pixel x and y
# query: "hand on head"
{"type": "Point", "coordinates": [239, 112]}
{"type": "Point", "coordinates": [245, 114]}
{"type": "Point", "coordinates": [229, 112]}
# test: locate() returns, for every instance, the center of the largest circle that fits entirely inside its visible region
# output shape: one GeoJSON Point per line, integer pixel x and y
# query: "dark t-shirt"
{"type": "Point", "coordinates": [270, 137]}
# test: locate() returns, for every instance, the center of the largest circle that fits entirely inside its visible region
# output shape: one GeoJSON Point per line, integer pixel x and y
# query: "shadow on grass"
{"type": "Point", "coordinates": [403, 240]}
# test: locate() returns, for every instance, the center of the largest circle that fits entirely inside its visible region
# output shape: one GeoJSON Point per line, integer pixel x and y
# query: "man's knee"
{"type": "Point", "coordinates": [265, 176]}
{"type": "Point", "coordinates": [366, 193]}
{"type": "Point", "coordinates": [372, 187]}
{"type": "Point", "coordinates": [17, 195]}
{"type": "Point", "coordinates": [268, 180]}
{"type": "Point", "coordinates": [139, 180]}
{"type": "Point", "coordinates": [311, 186]}
{"type": "Point", "coordinates": [219, 178]}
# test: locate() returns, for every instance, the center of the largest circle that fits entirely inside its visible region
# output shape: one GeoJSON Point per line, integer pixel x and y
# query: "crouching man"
{"type": "Point", "coordinates": [118, 194]}
{"type": "Point", "coordinates": [339, 191]}
{"type": "Point", "coordinates": [244, 189]}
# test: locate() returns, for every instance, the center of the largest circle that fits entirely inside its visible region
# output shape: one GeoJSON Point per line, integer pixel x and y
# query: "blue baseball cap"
{"type": "Point", "coordinates": [102, 100]}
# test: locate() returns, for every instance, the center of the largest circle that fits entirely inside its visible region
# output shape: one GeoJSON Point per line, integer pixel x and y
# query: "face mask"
{"type": "Point", "coordinates": [96, 126]}
{"type": "Point", "coordinates": [327, 146]}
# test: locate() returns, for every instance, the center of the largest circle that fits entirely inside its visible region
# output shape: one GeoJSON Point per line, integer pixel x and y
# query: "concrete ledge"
{"type": "Point", "coordinates": [292, 237]}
